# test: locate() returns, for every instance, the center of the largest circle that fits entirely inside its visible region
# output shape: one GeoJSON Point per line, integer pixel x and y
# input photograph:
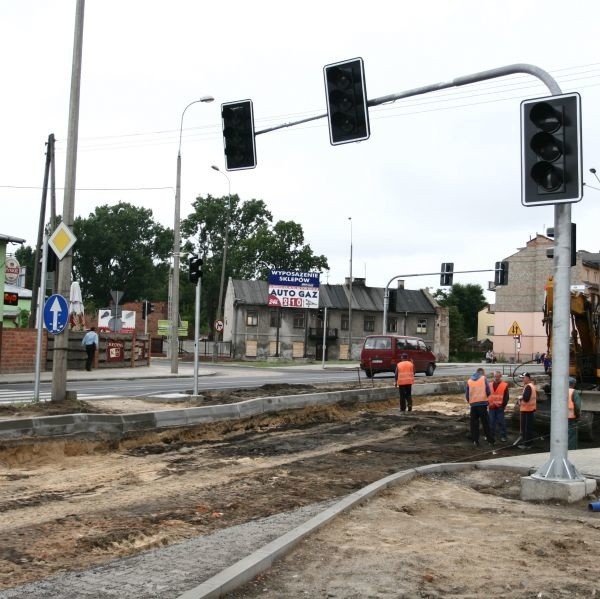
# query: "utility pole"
{"type": "Point", "coordinates": [61, 342]}
{"type": "Point", "coordinates": [42, 222]}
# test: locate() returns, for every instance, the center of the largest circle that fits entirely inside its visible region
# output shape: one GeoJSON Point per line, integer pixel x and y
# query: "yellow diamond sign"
{"type": "Point", "coordinates": [62, 240]}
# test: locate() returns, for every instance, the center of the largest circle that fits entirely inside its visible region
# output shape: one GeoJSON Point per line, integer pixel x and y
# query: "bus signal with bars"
{"type": "Point", "coordinates": [238, 135]}
{"type": "Point", "coordinates": [447, 274]}
{"type": "Point", "coordinates": [551, 165]}
{"type": "Point", "coordinates": [501, 273]}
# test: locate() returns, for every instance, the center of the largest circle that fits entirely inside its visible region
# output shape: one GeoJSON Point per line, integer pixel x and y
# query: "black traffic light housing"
{"type": "Point", "coordinates": [501, 273]}
{"type": "Point", "coordinates": [447, 274]}
{"type": "Point", "coordinates": [238, 135]}
{"type": "Point", "coordinates": [147, 309]}
{"type": "Point", "coordinates": [195, 266]}
{"type": "Point", "coordinates": [550, 251]}
{"type": "Point", "coordinates": [551, 165]}
{"type": "Point", "coordinates": [346, 94]}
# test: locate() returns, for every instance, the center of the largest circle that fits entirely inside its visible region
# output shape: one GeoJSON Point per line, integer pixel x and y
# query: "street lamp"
{"type": "Point", "coordinates": [176, 250]}
{"type": "Point", "coordinates": [593, 171]}
{"type": "Point", "coordinates": [225, 241]}
{"type": "Point", "coordinates": [350, 303]}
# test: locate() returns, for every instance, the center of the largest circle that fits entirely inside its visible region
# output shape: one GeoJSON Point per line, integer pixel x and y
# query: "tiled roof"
{"type": "Point", "coordinates": [367, 299]}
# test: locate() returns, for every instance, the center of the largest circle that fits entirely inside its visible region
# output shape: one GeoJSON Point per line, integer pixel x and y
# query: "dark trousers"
{"type": "Point", "coordinates": [90, 350]}
{"type": "Point", "coordinates": [572, 434]}
{"type": "Point", "coordinates": [405, 397]}
{"type": "Point", "coordinates": [480, 414]}
{"type": "Point", "coordinates": [527, 420]}
{"type": "Point", "coordinates": [496, 417]}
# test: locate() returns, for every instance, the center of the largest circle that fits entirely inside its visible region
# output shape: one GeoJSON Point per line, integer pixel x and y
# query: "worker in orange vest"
{"type": "Point", "coordinates": [476, 394]}
{"type": "Point", "coordinates": [497, 402]}
{"type": "Point", "coordinates": [405, 377]}
{"type": "Point", "coordinates": [574, 409]}
{"type": "Point", "coordinates": [527, 408]}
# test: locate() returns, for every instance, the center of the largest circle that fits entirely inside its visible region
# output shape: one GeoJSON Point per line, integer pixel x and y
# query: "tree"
{"type": "Point", "coordinates": [121, 248]}
{"type": "Point", "coordinates": [25, 255]}
{"type": "Point", "coordinates": [464, 302]}
{"type": "Point", "coordinates": [255, 244]}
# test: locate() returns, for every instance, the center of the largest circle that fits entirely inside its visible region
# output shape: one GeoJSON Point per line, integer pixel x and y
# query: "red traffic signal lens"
{"type": "Point", "coordinates": [545, 117]}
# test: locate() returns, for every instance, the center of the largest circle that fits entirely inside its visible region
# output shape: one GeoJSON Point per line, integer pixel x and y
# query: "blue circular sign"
{"type": "Point", "coordinates": [56, 314]}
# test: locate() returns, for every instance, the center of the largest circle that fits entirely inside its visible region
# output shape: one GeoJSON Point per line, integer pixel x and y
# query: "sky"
{"type": "Point", "coordinates": [438, 180]}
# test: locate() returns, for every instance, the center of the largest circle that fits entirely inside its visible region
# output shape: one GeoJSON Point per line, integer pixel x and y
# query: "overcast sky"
{"type": "Point", "coordinates": [438, 181]}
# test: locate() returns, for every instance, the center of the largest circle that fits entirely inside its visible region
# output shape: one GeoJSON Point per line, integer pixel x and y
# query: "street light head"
{"type": "Point", "coordinates": [206, 99]}
{"type": "Point", "coordinates": [215, 168]}
{"type": "Point", "coordinates": [593, 171]}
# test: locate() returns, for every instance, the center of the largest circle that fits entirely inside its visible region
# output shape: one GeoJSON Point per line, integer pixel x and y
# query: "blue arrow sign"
{"type": "Point", "coordinates": [56, 314]}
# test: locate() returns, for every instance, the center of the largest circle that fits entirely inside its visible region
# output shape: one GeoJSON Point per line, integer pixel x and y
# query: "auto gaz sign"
{"type": "Point", "coordinates": [293, 289]}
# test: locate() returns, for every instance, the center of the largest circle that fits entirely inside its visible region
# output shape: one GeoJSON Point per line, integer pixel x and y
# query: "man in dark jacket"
{"type": "Point", "coordinates": [476, 394]}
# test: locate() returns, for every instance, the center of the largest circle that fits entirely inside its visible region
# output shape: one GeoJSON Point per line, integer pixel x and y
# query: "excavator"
{"type": "Point", "coordinates": [584, 349]}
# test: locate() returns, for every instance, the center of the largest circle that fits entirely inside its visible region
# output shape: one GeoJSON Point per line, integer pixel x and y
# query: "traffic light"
{"type": "Point", "coordinates": [195, 266]}
{"type": "Point", "coordinates": [550, 251]}
{"type": "Point", "coordinates": [346, 93]}
{"type": "Point", "coordinates": [147, 309]}
{"type": "Point", "coordinates": [238, 135]}
{"type": "Point", "coordinates": [551, 165]}
{"type": "Point", "coordinates": [501, 273]}
{"type": "Point", "coordinates": [447, 274]}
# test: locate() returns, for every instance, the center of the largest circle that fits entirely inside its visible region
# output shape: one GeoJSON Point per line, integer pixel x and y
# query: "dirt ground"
{"type": "Point", "coordinates": [70, 504]}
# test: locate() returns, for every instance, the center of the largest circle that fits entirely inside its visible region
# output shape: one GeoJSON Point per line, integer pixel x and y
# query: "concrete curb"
{"type": "Point", "coordinates": [262, 559]}
{"type": "Point", "coordinates": [117, 425]}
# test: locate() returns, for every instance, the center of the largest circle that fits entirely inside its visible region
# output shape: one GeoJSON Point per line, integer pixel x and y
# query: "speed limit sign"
{"type": "Point", "coordinates": [218, 325]}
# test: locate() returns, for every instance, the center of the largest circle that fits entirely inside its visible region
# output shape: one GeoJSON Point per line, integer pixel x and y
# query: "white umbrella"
{"type": "Point", "coordinates": [76, 310]}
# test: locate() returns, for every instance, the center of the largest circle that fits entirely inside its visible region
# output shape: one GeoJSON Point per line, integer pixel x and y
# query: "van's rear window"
{"type": "Point", "coordinates": [378, 343]}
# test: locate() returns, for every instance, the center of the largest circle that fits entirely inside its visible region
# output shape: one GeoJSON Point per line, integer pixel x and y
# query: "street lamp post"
{"type": "Point", "coordinates": [225, 243]}
{"type": "Point", "coordinates": [350, 302]}
{"type": "Point", "coordinates": [176, 250]}
{"type": "Point", "coordinates": [593, 171]}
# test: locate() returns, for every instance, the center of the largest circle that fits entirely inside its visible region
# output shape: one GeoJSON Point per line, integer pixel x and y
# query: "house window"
{"type": "Point", "coordinates": [345, 322]}
{"type": "Point", "coordinates": [422, 325]}
{"type": "Point", "coordinates": [490, 330]}
{"type": "Point", "coordinates": [392, 325]}
{"type": "Point", "coordinates": [299, 320]}
{"type": "Point", "coordinates": [369, 324]}
{"type": "Point", "coordinates": [275, 318]}
{"type": "Point", "coordinates": [251, 318]}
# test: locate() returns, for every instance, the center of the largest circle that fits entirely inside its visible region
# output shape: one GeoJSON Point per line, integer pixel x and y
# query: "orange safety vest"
{"type": "Point", "coordinates": [571, 405]}
{"type": "Point", "coordinates": [529, 406]}
{"type": "Point", "coordinates": [406, 373]}
{"type": "Point", "coordinates": [477, 392]}
{"type": "Point", "coordinates": [496, 398]}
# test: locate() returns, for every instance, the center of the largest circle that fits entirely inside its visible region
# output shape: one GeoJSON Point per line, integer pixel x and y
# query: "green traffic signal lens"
{"type": "Point", "coordinates": [547, 176]}
{"type": "Point", "coordinates": [546, 146]}
{"type": "Point", "coordinates": [544, 117]}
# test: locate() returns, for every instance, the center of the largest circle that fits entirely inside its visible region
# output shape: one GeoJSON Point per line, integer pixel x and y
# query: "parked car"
{"type": "Point", "coordinates": [381, 353]}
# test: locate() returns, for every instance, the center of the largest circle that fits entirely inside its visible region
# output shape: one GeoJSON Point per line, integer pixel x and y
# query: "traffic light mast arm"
{"type": "Point", "coordinates": [542, 75]}
{"type": "Point", "coordinates": [386, 293]}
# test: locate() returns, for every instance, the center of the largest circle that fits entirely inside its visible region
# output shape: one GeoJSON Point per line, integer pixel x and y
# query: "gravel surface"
{"type": "Point", "coordinates": [170, 571]}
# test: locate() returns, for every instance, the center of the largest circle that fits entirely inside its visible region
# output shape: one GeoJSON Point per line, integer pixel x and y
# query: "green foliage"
{"type": "Point", "coordinates": [25, 256]}
{"type": "Point", "coordinates": [464, 303]}
{"type": "Point", "coordinates": [121, 248]}
{"type": "Point", "coordinates": [255, 245]}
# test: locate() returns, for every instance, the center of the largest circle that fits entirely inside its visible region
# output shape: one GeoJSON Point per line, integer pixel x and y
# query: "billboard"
{"type": "Point", "coordinates": [293, 289]}
{"type": "Point", "coordinates": [110, 323]}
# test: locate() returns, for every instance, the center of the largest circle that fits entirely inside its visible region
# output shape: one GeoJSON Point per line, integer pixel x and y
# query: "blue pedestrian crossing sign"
{"type": "Point", "coordinates": [56, 314]}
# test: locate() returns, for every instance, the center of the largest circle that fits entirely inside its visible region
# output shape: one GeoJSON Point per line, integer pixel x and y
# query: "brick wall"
{"type": "Point", "coordinates": [17, 350]}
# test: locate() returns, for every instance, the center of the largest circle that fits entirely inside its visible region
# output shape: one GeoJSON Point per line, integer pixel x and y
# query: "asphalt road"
{"type": "Point", "coordinates": [213, 377]}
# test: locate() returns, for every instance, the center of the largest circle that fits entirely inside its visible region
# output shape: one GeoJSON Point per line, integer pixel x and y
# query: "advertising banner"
{"type": "Point", "coordinates": [293, 289]}
{"type": "Point", "coordinates": [109, 322]}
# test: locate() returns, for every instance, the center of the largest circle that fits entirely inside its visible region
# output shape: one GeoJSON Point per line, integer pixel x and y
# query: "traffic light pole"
{"type": "Point", "coordinates": [197, 335]}
{"type": "Point", "coordinates": [386, 293]}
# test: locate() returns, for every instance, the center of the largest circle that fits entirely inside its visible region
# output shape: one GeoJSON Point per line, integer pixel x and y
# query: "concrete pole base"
{"type": "Point", "coordinates": [569, 491]}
